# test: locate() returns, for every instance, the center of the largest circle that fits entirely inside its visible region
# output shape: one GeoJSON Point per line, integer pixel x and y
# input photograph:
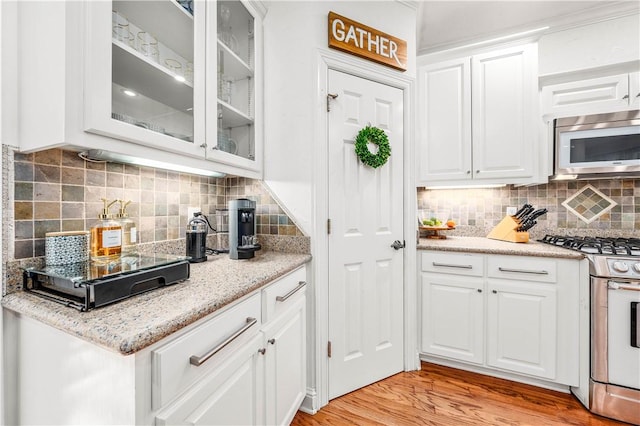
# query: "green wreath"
{"type": "Point", "coordinates": [376, 136]}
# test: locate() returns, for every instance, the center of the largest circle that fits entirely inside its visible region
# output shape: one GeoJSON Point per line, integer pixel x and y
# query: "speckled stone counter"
{"type": "Point", "coordinates": [489, 246]}
{"type": "Point", "coordinates": [137, 322]}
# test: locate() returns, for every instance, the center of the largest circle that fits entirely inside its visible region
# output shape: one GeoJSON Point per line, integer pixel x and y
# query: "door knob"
{"type": "Point", "coordinates": [397, 245]}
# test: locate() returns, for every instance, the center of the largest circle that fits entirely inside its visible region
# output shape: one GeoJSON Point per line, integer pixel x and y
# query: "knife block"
{"type": "Point", "coordinates": [506, 231]}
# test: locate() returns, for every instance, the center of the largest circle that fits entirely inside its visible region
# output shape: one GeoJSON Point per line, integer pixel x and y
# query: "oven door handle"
{"type": "Point", "coordinates": [635, 324]}
{"type": "Point", "coordinates": [613, 285]}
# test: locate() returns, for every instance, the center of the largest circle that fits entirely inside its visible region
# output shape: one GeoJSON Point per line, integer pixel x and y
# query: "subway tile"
{"type": "Point", "coordinates": [39, 247]}
{"type": "Point", "coordinates": [71, 176]}
{"type": "Point", "coordinates": [73, 225]}
{"type": "Point", "coordinates": [23, 191]}
{"type": "Point", "coordinates": [72, 159]}
{"type": "Point", "coordinates": [72, 193]}
{"type": "Point", "coordinates": [41, 227]}
{"type": "Point", "coordinates": [23, 229]}
{"type": "Point", "coordinates": [23, 249]}
{"type": "Point", "coordinates": [98, 166]}
{"type": "Point", "coordinates": [72, 211]}
{"type": "Point", "coordinates": [23, 210]}
{"type": "Point", "coordinates": [94, 177]}
{"type": "Point", "coordinates": [23, 172]}
{"type": "Point", "coordinates": [131, 181]}
{"type": "Point", "coordinates": [50, 156]}
{"type": "Point", "coordinates": [46, 210]}
{"type": "Point", "coordinates": [20, 156]}
{"type": "Point", "coordinates": [115, 180]}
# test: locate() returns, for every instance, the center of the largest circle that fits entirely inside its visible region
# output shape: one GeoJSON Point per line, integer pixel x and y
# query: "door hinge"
{"type": "Point", "coordinates": [329, 348]}
{"type": "Point", "coordinates": [328, 226]}
{"type": "Point", "coordinates": [330, 97]}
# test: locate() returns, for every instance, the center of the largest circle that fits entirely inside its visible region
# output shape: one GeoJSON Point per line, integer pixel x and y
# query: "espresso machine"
{"type": "Point", "coordinates": [243, 242]}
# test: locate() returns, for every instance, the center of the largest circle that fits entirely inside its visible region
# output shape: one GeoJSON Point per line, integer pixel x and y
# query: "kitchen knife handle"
{"type": "Point", "coordinates": [199, 360]}
{"type": "Point", "coordinates": [292, 292]}
{"type": "Point", "coordinates": [523, 271]}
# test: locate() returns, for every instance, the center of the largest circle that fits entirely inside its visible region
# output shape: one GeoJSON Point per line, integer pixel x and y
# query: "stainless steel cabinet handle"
{"type": "Point", "coordinates": [522, 271]}
{"type": "Point", "coordinates": [199, 360]}
{"type": "Point", "coordinates": [292, 292]}
{"type": "Point", "coordinates": [613, 285]}
{"type": "Point", "coordinates": [450, 265]}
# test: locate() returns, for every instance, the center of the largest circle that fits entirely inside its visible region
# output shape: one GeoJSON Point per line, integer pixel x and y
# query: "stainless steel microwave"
{"type": "Point", "coordinates": [598, 146]}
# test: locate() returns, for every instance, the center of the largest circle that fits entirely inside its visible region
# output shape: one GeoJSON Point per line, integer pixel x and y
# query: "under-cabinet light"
{"type": "Point", "coordinates": [101, 155]}
{"type": "Point", "coordinates": [564, 177]}
{"type": "Point", "coordinates": [129, 92]}
{"type": "Point", "coordinates": [179, 78]}
{"type": "Point", "coordinates": [466, 187]}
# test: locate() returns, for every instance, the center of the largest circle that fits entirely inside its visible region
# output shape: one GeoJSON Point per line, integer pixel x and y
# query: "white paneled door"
{"type": "Point", "coordinates": [366, 217]}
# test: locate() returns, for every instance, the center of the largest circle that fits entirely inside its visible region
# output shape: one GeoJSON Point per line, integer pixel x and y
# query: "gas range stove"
{"type": "Point", "coordinates": [609, 257]}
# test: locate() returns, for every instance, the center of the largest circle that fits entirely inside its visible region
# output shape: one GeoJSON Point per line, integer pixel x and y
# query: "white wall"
{"type": "Point", "coordinates": [294, 33]}
{"type": "Point", "coordinates": [601, 44]}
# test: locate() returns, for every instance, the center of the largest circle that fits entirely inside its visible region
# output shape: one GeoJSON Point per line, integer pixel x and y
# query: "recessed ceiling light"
{"type": "Point", "coordinates": [129, 92]}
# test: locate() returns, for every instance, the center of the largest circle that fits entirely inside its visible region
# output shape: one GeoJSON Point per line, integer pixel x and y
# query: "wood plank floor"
{"type": "Point", "coordinates": [439, 395]}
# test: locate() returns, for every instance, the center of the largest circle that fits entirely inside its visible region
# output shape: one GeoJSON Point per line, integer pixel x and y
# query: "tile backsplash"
{"type": "Point", "coordinates": [55, 190]}
{"type": "Point", "coordinates": [477, 211]}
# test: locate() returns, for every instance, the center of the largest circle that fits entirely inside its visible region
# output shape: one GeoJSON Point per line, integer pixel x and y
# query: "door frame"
{"type": "Point", "coordinates": [318, 362]}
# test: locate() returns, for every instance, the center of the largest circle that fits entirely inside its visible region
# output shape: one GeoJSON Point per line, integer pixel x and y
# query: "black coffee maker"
{"type": "Point", "coordinates": [243, 242]}
{"type": "Point", "coordinates": [197, 238]}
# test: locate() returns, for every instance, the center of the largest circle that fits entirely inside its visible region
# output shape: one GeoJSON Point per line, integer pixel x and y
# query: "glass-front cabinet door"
{"type": "Point", "coordinates": [149, 88]}
{"type": "Point", "coordinates": [237, 51]}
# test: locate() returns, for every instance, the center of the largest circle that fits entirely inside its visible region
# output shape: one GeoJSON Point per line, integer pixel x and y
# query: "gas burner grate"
{"type": "Point", "coordinates": [610, 246]}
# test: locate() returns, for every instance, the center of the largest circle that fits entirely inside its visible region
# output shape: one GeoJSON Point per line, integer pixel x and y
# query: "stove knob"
{"type": "Point", "coordinates": [621, 266]}
{"type": "Point", "coordinates": [637, 267]}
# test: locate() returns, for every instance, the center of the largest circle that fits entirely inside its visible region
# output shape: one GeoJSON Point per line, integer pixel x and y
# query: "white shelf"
{"type": "Point", "coordinates": [232, 63]}
{"type": "Point", "coordinates": [140, 74]}
{"type": "Point", "coordinates": [169, 22]}
{"type": "Point", "coordinates": [232, 117]}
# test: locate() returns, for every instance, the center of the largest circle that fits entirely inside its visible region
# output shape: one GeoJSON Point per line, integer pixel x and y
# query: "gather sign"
{"type": "Point", "coordinates": [353, 37]}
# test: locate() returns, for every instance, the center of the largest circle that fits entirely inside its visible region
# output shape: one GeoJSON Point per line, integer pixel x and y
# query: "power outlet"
{"type": "Point", "coordinates": [191, 211]}
{"type": "Point", "coordinates": [511, 210]}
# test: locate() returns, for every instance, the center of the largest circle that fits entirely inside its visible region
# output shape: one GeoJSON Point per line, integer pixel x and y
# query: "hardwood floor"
{"type": "Point", "coordinates": [439, 395]}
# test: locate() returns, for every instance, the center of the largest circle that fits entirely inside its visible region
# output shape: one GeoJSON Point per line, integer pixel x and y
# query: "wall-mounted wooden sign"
{"type": "Point", "coordinates": [360, 40]}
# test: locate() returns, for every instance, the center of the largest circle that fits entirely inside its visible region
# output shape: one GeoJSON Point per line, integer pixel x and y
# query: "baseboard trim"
{"type": "Point", "coordinates": [310, 402]}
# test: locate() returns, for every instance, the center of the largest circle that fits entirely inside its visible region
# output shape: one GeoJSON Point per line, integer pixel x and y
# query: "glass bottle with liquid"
{"type": "Point", "coordinates": [106, 235]}
{"type": "Point", "coordinates": [129, 230]}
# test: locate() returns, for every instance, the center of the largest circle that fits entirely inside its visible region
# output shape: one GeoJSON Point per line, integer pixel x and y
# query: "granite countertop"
{"type": "Point", "coordinates": [142, 320]}
{"type": "Point", "coordinates": [489, 246]}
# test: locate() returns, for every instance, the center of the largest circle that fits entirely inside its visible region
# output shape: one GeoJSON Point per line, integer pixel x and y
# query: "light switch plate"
{"type": "Point", "coordinates": [511, 210]}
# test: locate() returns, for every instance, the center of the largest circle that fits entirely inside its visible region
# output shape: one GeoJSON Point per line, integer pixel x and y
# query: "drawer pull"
{"type": "Point", "coordinates": [450, 265]}
{"type": "Point", "coordinates": [199, 360]}
{"type": "Point", "coordinates": [292, 292]}
{"type": "Point", "coordinates": [522, 271]}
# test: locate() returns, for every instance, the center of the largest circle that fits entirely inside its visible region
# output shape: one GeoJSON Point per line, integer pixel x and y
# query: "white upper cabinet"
{"type": "Point", "coordinates": [445, 121]}
{"type": "Point", "coordinates": [611, 93]}
{"type": "Point", "coordinates": [477, 119]}
{"type": "Point", "coordinates": [234, 59]}
{"type": "Point", "coordinates": [178, 81]}
{"type": "Point", "coordinates": [144, 80]}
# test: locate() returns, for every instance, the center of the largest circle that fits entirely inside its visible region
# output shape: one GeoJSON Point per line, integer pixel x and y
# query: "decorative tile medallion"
{"type": "Point", "coordinates": [589, 204]}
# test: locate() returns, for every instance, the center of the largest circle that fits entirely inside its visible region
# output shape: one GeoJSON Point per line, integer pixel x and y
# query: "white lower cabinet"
{"type": "Point", "coordinates": [231, 394]}
{"type": "Point", "coordinates": [521, 327]}
{"type": "Point", "coordinates": [509, 314]}
{"type": "Point", "coordinates": [243, 365]}
{"type": "Point", "coordinates": [285, 364]}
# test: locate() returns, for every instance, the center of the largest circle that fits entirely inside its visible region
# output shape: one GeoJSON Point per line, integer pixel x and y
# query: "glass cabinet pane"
{"type": "Point", "coordinates": [152, 65]}
{"type": "Point", "coordinates": [235, 77]}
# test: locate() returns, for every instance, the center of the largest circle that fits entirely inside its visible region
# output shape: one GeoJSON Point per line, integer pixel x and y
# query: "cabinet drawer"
{"type": "Point", "coordinates": [279, 295]}
{"type": "Point", "coordinates": [522, 268]}
{"type": "Point", "coordinates": [453, 263]}
{"type": "Point", "coordinates": [173, 368]}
